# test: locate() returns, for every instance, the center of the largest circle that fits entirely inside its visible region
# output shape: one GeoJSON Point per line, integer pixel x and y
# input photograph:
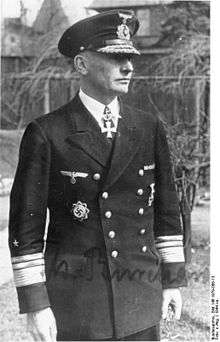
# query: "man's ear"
{"type": "Point", "coordinates": [81, 64]}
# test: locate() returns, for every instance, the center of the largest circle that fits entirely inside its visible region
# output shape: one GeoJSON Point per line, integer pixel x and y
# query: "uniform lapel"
{"type": "Point", "coordinates": [86, 134]}
{"type": "Point", "coordinates": [127, 142]}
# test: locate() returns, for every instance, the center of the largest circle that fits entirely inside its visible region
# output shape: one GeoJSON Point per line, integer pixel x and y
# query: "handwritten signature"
{"type": "Point", "coordinates": [87, 272]}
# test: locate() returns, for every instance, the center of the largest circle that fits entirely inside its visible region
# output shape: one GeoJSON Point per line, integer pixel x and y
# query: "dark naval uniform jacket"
{"type": "Point", "coordinates": [114, 238]}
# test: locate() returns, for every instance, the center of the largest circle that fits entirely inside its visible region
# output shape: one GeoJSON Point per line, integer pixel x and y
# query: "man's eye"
{"type": "Point", "coordinates": [121, 57]}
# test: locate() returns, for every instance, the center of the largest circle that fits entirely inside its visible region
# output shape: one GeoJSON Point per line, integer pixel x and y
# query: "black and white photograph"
{"type": "Point", "coordinates": [105, 172]}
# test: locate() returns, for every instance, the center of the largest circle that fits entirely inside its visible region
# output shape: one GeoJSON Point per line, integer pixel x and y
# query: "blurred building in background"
{"type": "Point", "coordinates": [20, 42]}
{"type": "Point", "coordinates": [17, 45]}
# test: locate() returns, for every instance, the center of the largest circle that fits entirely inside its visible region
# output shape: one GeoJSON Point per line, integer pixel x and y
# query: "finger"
{"type": "Point", "coordinates": [165, 305]}
{"type": "Point", "coordinates": [45, 336]}
{"type": "Point", "coordinates": [35, 336]}
{"type": "Point", "coordinates": [53, 334]}
{"type": "Point", "coordinates": [170, 313]}
{"type": "Point", "coordinates": [34, 333]}
{"type": "Point", "coordinates": [43, 333]}
{"type": "Point", "coordinates": [178, 308]}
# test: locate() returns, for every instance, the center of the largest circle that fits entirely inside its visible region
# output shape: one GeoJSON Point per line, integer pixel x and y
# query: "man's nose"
{"type": "Point", "coordinates": [127, 67]}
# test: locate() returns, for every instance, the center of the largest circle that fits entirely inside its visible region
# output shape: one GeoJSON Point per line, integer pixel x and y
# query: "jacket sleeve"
{"type": "Point", "coordinates": [167, 224]}
{"type": "Point", "coordinates": [27, 218]}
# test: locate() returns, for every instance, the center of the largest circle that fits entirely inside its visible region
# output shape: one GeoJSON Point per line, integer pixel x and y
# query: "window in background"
{"type": "Point", "coordinates": [144, 18]}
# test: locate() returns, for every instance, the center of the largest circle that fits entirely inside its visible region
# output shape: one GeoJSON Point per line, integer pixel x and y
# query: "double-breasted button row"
{"type": "Point", "coordinates": [108, 214]}
{"type": "Point", "coordinates": [144, 249]}
{"type": "Point", "coordinates": [105, 195]}
{"type": "Point", "coordinates": [141, 211]}
{"type": "Point", "coordinates": [111, 234]}
{"type": "Point", "coordinates": [96, 176]}
{"type": "Point", "coordinates": [142, 231]}
{"type": "Point", "coordinates": [114, 254]}
{"type": "Point", "coordinates": [140, 192]}
{"type": "Point", "coordinates": [141, 172]}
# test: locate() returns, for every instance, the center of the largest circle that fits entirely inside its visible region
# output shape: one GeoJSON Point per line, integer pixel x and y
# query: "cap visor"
{"type": "Point", "coordinates": [119, 49]}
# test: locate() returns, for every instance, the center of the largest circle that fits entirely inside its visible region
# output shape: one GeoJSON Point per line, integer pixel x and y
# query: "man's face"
{"type": "Point", "coordinates": [109, 73]}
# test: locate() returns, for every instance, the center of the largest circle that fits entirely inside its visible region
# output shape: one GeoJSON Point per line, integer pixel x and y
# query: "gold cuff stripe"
{"type": "Point", "coordinates": [27, 257]}
{"type": "Point", "coordinates": [169, 244]}
{"type": "Point", "coordinates": [174, 254]}
{"type": "Point", "coordinates": [29, 276]}
{"type": "Point", "coordinates": [28, 269]}
{"type": "Point", "coordinates": [169, 238]}
{"type": "Point", "coordinates": [27, 264]}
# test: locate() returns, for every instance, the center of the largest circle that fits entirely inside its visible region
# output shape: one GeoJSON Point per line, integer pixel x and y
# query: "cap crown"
{"type": "Point", "coordinates": [112, 28]}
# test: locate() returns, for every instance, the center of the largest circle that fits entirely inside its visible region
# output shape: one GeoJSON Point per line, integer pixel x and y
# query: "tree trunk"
{"type": "Point", "coordinates": [47, 96]}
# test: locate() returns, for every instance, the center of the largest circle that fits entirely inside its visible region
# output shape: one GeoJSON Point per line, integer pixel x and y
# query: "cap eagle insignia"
{"type": "Point", "coordinates": [123, 30]}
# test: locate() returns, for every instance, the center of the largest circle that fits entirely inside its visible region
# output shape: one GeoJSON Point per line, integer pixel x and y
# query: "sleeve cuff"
{"type": "Point", "coordinates": [173, 275]}
{"type": "Point", "coordinates": [32, 298]}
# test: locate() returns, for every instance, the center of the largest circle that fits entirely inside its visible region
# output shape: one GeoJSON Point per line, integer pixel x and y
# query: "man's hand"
{"type": "Point", "coordinates": [172, 297]}
{"type": "Point", "coordinates": [42, 325]}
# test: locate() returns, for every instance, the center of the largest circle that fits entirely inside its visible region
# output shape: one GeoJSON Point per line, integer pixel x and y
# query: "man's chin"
{"type": "Point", "coordinates": [122, 89]}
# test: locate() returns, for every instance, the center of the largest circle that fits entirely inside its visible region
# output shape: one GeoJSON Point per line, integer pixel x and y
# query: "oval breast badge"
{"type": "Point", "coordinates": [80, 211]}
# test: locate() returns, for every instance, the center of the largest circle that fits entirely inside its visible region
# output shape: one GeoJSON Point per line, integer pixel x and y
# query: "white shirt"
{"type": "Point", "coordinates": [96, 108]}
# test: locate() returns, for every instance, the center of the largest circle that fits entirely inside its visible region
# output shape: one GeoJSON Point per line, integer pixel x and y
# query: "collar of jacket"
{"type": "Point", "coordinates": [87, 136]}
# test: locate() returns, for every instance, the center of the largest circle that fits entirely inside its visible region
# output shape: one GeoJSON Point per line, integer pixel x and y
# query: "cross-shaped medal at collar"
{"type": "Point", "coordinates": [108, 123]}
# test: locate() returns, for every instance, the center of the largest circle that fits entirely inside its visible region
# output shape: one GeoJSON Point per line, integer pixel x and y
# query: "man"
{"type": "Point", "coordinates": [113, 259]}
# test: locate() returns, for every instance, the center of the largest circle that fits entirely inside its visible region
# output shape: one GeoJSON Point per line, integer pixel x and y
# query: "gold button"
{"type": "Point", "coordinates": [144, 249]}
{"type": "Point", "coordinates": [114, 254]}
{"type": "Point", "coordinates": [141, 172]}
{"type": "Point", "coordinates": [105, 195]}
{"type": "Point", "coordinates": [111, 234]}
{"type": "Point", "coordinates": [140, 192]}
{"type": "Point", "coordinates": [142, 231]}
{"type": "Point", "coordinates": [96, 176]}
{"type": "Point", "coordinates": [141, 211]}
{"type": "Point", "coordinates": [108, 214]}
